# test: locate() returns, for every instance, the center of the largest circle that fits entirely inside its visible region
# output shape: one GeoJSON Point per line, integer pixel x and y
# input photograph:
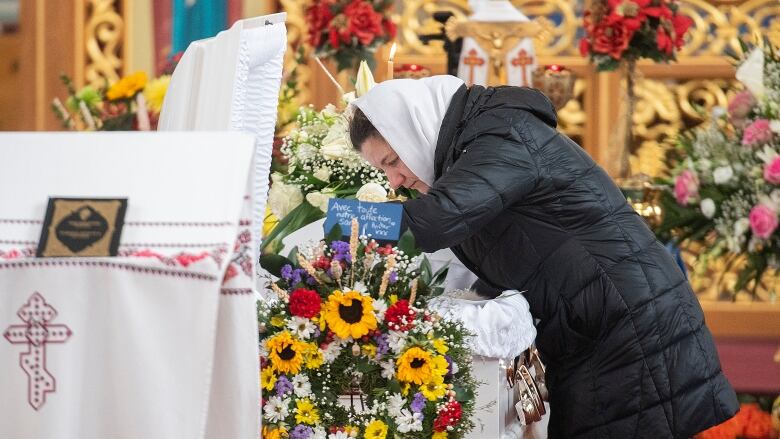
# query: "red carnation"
{"type": "Point", "coordinates": [681, 24]}
{"type": "Point", "coordinates": [390, 28]}
{"type": "Point", "coordinates": [363, 22]}
{"type": "Point", "coordinates": [318, 17]}
{"type": "Point", "coordinates": [399, 316]}
{"type": "Point", "coordinates": [448, 416]}
{"type": "Point", "coordinates": [305, 303]}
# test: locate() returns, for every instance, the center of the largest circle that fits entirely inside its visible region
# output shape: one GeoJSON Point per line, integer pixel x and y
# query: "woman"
{"type": "Point", "coordinates": [525, 208]}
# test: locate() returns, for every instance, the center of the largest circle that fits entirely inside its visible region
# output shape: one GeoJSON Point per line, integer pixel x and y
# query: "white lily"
{"type": "Point", "coordinates": [365, 79]}
{"type": "Point", "coordinates": [751, 72]}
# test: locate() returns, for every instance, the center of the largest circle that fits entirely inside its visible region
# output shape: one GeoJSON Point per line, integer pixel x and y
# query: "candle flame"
{"type": "Point", "coordinates": [392, 52]}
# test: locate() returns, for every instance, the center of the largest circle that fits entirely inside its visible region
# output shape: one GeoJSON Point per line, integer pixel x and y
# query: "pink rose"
{"type": "Point", "coordinates": [757, 133]}
{"type": "Point", "coordinates": [740, 106]}
{"type": "Point", "coordinates": [686, 187]}
{"type": "Point", "coordinates": [763, 221]}
{"type": "Point", "coordinates": [772, 171]}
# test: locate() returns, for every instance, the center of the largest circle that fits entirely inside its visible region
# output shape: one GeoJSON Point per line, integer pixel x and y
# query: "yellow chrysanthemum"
{"type": "Point", "coordinates": [306, 413]}
{"type": "Point", "coordinates": [127, 87]}
{"type": "Point", "coordinates": [285, 353]}
{"type": "Point", "coordinates": [369, 350]}
{"type": "Point", "coordinates": [278, 322]}
{"type": "Point", "coordinates": [313, 356]}
{"type": "Point", "coordinates": [439, 435]}
{"type": "Point", "coordinates": [154, 93]}
{"type": "Point", "coordinates": [393, 299]}
{"type": "Point", "coordinates": [434, 389]}
{"type": "Point", "coordinates": [267, 379]}
{"type": "Point", "coordinates": [350, 314]}
{"type": "Point", "coordinates": [439, 365]}
{"type": "Point", "coordinates": [405, 389]}
{"type": "Point", "coordinates": [440, 346]}
{"type": "Point", "coordinates": [276, 433]}
{"type": "Point", "coordinates": [415, 366]}
{"type": "Point", "coordinates": [376, 430]}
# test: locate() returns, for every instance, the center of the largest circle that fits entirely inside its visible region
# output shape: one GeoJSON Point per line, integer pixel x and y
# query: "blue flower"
{"type": "Point", "coordinates": [418, 403]}
{"type": "Point", "coordinates": [301, 432]}
{"type": "Point", "coordinates": [287, 272]}
{"type": "Point", "coordinates": [283, 385]}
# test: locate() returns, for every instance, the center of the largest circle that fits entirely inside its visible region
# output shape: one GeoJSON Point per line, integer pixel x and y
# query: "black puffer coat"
{"type": "Point", "coordinates": [525, 208]}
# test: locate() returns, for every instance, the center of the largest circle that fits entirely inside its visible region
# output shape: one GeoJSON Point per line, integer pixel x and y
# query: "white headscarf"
{"type": "Point", "coordinates": [408, 114]}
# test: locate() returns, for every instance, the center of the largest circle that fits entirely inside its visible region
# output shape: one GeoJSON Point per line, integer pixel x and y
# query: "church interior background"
{"type": "Point", "coordinates": [99, 41]}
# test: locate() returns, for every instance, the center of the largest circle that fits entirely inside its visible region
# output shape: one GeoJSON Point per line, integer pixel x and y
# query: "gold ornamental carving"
{"type": "Point", "coordinates": [104, 34]}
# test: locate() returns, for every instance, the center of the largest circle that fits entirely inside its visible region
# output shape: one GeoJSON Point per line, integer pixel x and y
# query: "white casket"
{"type": "Point", "coordinates": [159, 341]}
{"type": "Point", "coordinates": [503, 329]}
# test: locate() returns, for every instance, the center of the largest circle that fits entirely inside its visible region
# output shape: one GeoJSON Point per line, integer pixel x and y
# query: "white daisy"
{"type": "Point", "coordinates": [396, 340]}
{"type": "Point", "coordinates": [338, 435]}
{"type": "Point", "coordinates": [301, 326]}
{"type": "Point", "coordinates": [276, 409]}
{"type": "Point", "coordinates": [408, 421]}
{"type": "Point", "coordinates": [394, 404]}
{"type": "Point", "coordinates": [301, 386]}
{"type": "Point", "coordinates": [388, 369]}
{"type": "Point", "coordinates": [380, 307]}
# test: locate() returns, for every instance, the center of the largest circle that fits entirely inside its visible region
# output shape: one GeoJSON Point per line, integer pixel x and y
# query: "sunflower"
{"type": "Point", "coordinates": [127, 87]}
{"type": "Point", "coordinates": [376, 430]}
{"type": "Point", "coordinates": [350, 314]}
{"type": "Point", "coordinates": [306, 413]}
{"type": "Point", "coordinates": [415, 365]}
{"type": "Point", "coordinates": [267, 379]}
{"type": "Point", "coordinates": [286, 353]}
{"type": "Point", "coordinates": [434, 388]}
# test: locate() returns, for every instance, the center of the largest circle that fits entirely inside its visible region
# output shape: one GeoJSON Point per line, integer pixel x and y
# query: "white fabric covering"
{"type": "Point", "coordinates": [163, 339]}
{"type": "Point", "coordinates": [408, 113]}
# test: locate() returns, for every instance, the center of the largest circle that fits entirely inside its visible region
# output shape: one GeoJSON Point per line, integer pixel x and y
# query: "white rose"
{"type": "Point", "coordinates": [722, 174]}
{"type": "Point", "coordinates": [708, 207]}
{"type": "Point", "coordinates": [282, 197]}
{"type": "Point", "coordinates": [751, 72]}
{"type": "Point", "coordinates": [741, 226]}
{"type": "Point", "coordinates": [348, 98]}
{"type": "Point", "coordinates": [322, 174]}
{"type": "Point", "coordinates": [373, 192]}
{"type": "Point", "coordinates": [320, 199]}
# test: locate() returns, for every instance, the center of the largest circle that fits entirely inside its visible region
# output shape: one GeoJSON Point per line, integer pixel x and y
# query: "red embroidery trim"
{"type": "Point", "coordinates": [174, 244]}
{"type": "Point", "coordinates": [15, 242]}
{"type": "Point", "coordinates": [37, 263]}
{"type": "Point", "coordinates": [36, 333]}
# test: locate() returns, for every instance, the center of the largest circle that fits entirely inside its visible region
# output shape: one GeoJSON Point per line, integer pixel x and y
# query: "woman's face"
{"type": "Point", "coordinates": [379, 153]}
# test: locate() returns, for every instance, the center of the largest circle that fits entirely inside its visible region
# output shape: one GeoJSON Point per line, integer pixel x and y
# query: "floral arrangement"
{"type": "Point", "coordinates": [349, 30]}
{"type": "Point", "coordinates": [751, 422]}
{"type": "Point", "coordinates": [618, 30]}
{"type": "Point", "coordinates": [726, 191]}
{"type": "Point", "coordinates": [321, 164]}
{"type": "Point", "coordinates": [349, 350]}
{"type": "Point", "coordinates": [131, 103]}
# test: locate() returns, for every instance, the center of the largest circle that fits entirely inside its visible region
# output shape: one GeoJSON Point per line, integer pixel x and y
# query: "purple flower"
{"type": "Point", "coordinates": [340, 251]}
{"type": "Point", "coordinates": [301, 432]}
{"type": "Point", "coordinates": [393, 278]}
{"type": "Point", "coordinates": [317, 332]}
{"type": "Point", "coordinates": [449, 365]}
{"type": "Point", "coordinates": [418, 403]}
{"type": "Point", "coordinates": [283, 385]}
{"type": "Point", "coordinates": [297, 275]}
{"type": "Point", "coordinates": [382, 346]}
{"type": "Point", "coordinates": [287, 272]}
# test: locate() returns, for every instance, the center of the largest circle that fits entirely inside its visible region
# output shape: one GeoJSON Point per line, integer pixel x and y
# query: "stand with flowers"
{"type": "Point", "coordinates": [727, 188]}
{"type": "Point", "coordinates": [348, 349]}
{"type": "Point", "coordinates": [620, 32]}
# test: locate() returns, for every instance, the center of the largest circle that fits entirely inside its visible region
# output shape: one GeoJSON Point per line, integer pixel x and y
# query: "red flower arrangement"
{"type": "Point", "coordinates": [305, 303]}
{"type": "Point", "coordinates": [349, 30]}
{"type": "Point", "coordinates": [618, 30]}
{"type": "Point", "coordinates": [399, 316]}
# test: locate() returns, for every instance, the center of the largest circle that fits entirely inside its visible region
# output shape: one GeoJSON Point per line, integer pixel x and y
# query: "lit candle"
{"type": "Point", "coordinates": [390, 62]}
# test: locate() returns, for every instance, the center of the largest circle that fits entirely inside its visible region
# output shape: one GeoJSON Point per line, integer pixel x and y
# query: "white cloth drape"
{"type": "Point", "coordinates": [159, 342]}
